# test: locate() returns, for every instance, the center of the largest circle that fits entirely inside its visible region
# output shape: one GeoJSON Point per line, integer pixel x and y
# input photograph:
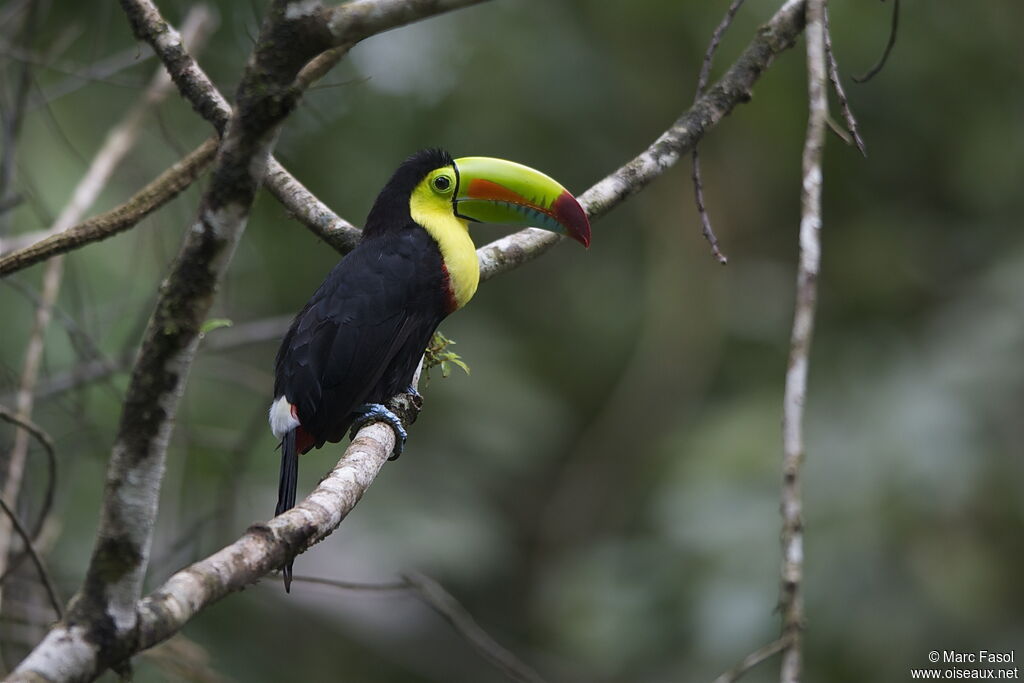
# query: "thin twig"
{"type": "Point", "coordinates": [752, 660]}
{"type": "Point", "coordinates": [51, 481]}
{"type": "Point", "coordinates": [791, 604]}
{"type": "Point", "coordinates": [702, 83]}
{"type": "Point", "coordinates": [98, 72]}
{"type": "Point", "coordinates": [13, 117]}
{"type": "Point", "coordinates": [258, 331]}
{"type": "Point", "coordinates": [435, 596]}
{"type": "Point", "coordinates": [844, 104]}
{"type": "Point", "coordinates": [44, 575]}
{"type": "Point", "coordinates": [67, 652]}
{"type": "Point", "coordinates": [385, 587]}
{"type": "Point", "coordinates": [888, 46]}
{"type": "Point", "coordinates": [442, 602]}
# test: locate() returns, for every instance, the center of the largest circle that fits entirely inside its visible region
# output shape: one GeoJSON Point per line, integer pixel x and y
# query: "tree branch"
{"type": "Point", "coordinates": [695, 172]}
{"type": "Point", "coordinates": [51, 484]}
{"type": "Point", "coordinates": [161, 190]}
{"type": "Point", "coordinates": [30, 548]}
{"type": "Point", "coordinates": [837, 85]}
{"type": "Point", "coordinates": [795, 395]}
{"type": "Point", "coordinates": [442, 602]}
{"type": "Point", "coordinates": [889, 45]}
{"type": "Point", "coordinates": [752, 660]}
{"type": "Point", "coordinates": [11, 119]}
{"type": "Point", "coordinates": [733, 88]}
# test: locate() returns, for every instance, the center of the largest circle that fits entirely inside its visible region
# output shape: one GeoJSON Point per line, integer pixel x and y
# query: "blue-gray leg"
{"type": "Point", "coordinates": [376, 412]}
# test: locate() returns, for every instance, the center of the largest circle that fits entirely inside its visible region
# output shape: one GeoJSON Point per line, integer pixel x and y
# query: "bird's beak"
{"type": "Point", "coordinates": [499, 191]}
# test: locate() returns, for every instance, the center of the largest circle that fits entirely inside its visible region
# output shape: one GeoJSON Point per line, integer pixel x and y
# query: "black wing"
{"type": "Point", "coordinates": [360, 336]}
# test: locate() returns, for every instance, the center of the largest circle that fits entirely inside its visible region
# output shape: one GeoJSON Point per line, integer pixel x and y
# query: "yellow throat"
{"type": "Point", "coordinates": [458, 252]}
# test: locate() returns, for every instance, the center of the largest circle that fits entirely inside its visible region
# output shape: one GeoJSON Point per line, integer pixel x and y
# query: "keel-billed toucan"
{"type": "Point", "coordinates": [359, 339]}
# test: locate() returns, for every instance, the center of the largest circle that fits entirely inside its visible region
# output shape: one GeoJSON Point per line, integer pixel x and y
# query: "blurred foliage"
{"type": "Point", "coordinates": [602, 492]}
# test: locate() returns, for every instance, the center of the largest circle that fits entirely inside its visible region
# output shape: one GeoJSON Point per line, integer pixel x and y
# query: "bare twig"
{"type": "Point", "coordinates": [44, 575]}
{"type": "Point", "coordinates": [167, 186]}
{"type": "Point", "coordinates": [888, 46]}
{"type": "Point", "coordinates": [442, 602]}
{"type": "Point", "coordinates": [791, 592]}
{"type": "Point", "coordinates": [384, 587]}
{"type": "Point", "coordinates": [752, 660]}
{"type": "Point", "coordinates": [733, 88]}
{"type": "Point", "coordinates": [31, 427]}
{"type": "Point", "coordinates": [844, 104]}
{"type": "Point", "coordinates": [448, 607]}
{"type": "Point", "coordinates": [702, 83]}
{"type": "Point", "coordinates": [13, 116]}
{"type": "Point", "coordinates": [51, 482]}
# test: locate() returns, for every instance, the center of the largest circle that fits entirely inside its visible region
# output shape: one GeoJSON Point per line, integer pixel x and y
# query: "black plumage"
{"type": "Point", "coordinates": [360, 337]}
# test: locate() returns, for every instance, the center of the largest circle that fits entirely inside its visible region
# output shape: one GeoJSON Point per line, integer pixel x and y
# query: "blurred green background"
{"type": "Point", "coordinates": [602, 491]}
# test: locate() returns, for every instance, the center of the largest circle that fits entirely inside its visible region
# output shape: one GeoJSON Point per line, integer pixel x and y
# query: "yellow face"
{"type": "Point", "coordinates": [431, 207]}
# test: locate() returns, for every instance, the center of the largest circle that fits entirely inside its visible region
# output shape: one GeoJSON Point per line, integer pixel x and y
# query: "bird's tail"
{"type": "Point", "coordinates": [288, 483]}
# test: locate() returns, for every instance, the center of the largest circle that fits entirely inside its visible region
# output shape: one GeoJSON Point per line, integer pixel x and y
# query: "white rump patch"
{"type": "Point", "coordinates": [281, 419]}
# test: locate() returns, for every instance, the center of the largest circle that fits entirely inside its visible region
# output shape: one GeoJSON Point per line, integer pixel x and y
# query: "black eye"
{"type": "Point", "coordinates": [442, 183]}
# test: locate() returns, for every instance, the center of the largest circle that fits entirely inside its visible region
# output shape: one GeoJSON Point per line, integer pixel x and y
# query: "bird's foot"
{"type": "Point", "coordinates": [412, 391]}
{"type": "Point", "coordinates": [376, 412]}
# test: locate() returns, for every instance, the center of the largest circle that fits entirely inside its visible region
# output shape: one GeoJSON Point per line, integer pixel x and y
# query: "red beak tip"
{"type": "Point", "coordinates": [570, 214]}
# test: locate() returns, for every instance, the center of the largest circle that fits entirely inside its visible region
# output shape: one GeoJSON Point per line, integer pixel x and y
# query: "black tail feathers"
{"type": "Point", "coordinates": [288, 483]}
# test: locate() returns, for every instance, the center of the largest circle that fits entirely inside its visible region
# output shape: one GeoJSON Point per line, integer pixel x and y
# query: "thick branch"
{"type": "Point", "coordinates": [791, 593]}
{"type": "Point", "coordinates": [733, 88]}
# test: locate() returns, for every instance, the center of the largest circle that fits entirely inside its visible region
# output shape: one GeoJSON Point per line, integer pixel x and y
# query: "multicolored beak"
{"type": "Point", "coordinates": [498, 191]}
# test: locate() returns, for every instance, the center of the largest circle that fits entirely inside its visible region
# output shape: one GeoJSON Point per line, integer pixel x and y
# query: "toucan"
{"type": "Point", "coordinates": [359, 339]}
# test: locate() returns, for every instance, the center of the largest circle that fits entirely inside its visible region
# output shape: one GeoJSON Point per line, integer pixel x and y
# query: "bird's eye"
{"type": "Point", "coordinates": [442, 183]}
